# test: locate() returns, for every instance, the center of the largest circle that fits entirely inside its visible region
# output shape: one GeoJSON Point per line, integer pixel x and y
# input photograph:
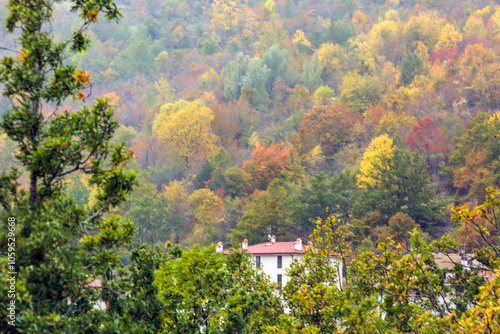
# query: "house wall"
{"type": "Point", "coordinates": [269, 264]}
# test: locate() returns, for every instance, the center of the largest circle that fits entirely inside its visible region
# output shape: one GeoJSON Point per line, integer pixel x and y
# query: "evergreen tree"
{"type": "Point", "coordinates": [411, 66]}
{"type": "Point", "coordinates": [60, 246]}
{"type": "Point", "coordinates": [403, 187]}
{"type": "Point", "coordinates": [233, 76]}
{"type": "Point", "coordinates": [204, 175]}
{"type": "Point", "coordinates": [276, 60]}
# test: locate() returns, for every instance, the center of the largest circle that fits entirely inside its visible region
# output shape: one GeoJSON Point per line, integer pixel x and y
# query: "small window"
{"type": "Point", "coordinates": [280, 261]}
{"type": "Point", "coordinates": [257, 261]}
{"type": "Point", "coordinates": [280, 281]}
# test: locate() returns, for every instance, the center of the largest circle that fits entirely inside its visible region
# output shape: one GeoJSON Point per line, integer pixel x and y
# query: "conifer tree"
{"type": "Point", "coordinates": [60, 246]}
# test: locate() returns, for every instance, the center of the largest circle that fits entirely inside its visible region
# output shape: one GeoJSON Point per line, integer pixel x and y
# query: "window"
{"type": "Point", "coordinates": [280, 261]}
{"type": "Point", "coordinates": [279, 280]}
{"type": "Point", "coordinates": [257, 260]}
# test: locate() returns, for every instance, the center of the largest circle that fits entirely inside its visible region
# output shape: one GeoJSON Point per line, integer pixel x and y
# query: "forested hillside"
{"type": "Point", "coordinates": [249, 115]}
{"type": "Point", "coordinates": [135, 135]}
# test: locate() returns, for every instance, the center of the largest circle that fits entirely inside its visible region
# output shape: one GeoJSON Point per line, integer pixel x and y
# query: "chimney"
{"type": "Point", "coordinates": [219, 248]}
{"type": "Point", "coordinates": [244, 244]}
{"type": "Point", "coordinates": [309, 243]}
{"type": "Point", "coordinates": [273, 239]}
{"type": "Point", "coordinates": [298, 244]}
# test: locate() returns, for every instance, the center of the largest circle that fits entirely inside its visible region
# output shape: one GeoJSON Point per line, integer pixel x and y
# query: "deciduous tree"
{"type": "Point", "coordinates": [427, 138]}
{"type": "Point", "coordinates": [186, 131]}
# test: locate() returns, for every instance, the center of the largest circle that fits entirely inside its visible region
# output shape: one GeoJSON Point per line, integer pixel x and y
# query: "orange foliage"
{"type": "Point", "coordinates": [268, 164]}
{"type": "Point", "coordinates": [328, 126]}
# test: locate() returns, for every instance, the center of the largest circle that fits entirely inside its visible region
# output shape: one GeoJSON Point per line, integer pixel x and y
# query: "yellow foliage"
{"type": "Point", "coordinates": [496, 20]}
{"type": "Point", "coordinates": [323, 95]}
{"type": "Point", "coordinates": [315, 157]}
{"type": "Point", "coordinates": [165, 93]}
{"type": "Point", "coordinates": [206, 205]}
{"type": "Point", "coordinates": [383, 36]}
{"type": "Point", "coordinates": [360, 20]}
{"type": "Point", "coordinates": [449, 37]}
{"type": "Point", "coordinates": [209, 98]}
{"type": "Point", "coordinates": [379, 147]}
{"type": "Point", "coordinates": [113, 99]}
{"type": "Point", "coordinates": [161, 61]}
{"type": "Point", "coordinates": [392, 15]}
{"type": "Point", "coordinates": [184, 127]}
{"type": "Point", "coordinates": [394, 124]}
{"type": "Point", "coordinates": [422, 51]}
{"type": "Point", "coordinates": [82, 77]}
{"type": "Point", "coordinates": [299, 38]}
{"type": "Point", "coordinates": [254, 140]}
{"type": "Point", "coordinates": [483, 317]}
{"type": "Point", "coordinates": [175, 195]}
{"type": "Point", "coordinates": [273, 33]}
{"type": "Point", "coordinates": [424, 28]}
{"type": "Point", "coordinates": [209, 80]}
{"type": "Point", "coordinates": [333, 58]}
{"type": "Point", "coordinates": [475, 25]}
{"type": "Point", "coordinates": [232, 15]}
{"type": "Point", "coordinates": [92, 15]}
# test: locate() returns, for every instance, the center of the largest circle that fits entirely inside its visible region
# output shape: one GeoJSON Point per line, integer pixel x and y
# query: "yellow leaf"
{"type": "Point", "coordinates": [92, 15]}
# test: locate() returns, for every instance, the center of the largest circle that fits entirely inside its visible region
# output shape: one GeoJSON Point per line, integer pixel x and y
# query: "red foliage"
{"type": "Point", "coordinates": [221, 193]}
{"type": "Point", "coordinates": [373, 115]}
{"type": "Point", "coordinates": [441, 55]}
{"type": "Point", "coordinates": [426, 137]}
{"type": "Point", "coordinates": [226, 123]}
{"type": "Point", "coordinates": [268, 164]}
{"type": "Point", "coordinates": [281, 91]}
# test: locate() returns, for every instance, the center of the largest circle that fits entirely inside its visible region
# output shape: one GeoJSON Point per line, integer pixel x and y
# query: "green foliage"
{"type": "Point", "coordinates": [208, 44]}
{"type": "Point", "coordinates": [221, 159]}
{"type": "Point", "coordinates": [339, 32]}
{"type": "Point", "coordinates": [325, 196]}
{"type": "Point", "coordinates": [152, 215]}
{"type": "Point", "coordinates": [411, 66]}
{"type": "Point", "coordinates": [140, 304]}
{"type": "Point", "coordinates": [206, 291]}
{"type": "Point", "coordinates": [275, 208]}
{"type": "Point", "coordinates": [60, 245]}
{"type": "Point", "coordinates": [322, 95]}
{"type": "Point", "coordinates": [402, 188]}
{"type": "Point", "coordinates": [358, 91]}
{"type": "Point", "coordinates": [233, 77]}
{"type": "Point", "coordinates": [277, 61]}
{"type": "Point", "coordinates": [204, 175]}
{"type": "Point", "coordinates": [475, 159]}
{"type": "Point", "coordinates": [314, 288]}
{"type": "Point", "coordinates": [257, 78]}
{"type": "Point", "coordinates": [137, 59]}
{"type": "Point", "coordinates": [238, 182]}
{"type": "Point", "coordinates": [311, 73]}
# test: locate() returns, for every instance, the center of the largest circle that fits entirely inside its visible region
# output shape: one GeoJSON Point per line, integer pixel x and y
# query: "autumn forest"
{"type": "Point", "coordinates": [244, 116]}
{"type": "Point", "coordinates": [379, 119]}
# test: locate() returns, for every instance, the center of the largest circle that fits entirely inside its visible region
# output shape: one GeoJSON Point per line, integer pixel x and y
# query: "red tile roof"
{"type": "Point", "coordinates": [96, 283]}
{"type": "Point", "coordinates": [488, 275]}
{"type": "Point", "coordinates": [276, 248]}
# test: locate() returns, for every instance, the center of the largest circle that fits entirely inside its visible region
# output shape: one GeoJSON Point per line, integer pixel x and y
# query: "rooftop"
{"type": "Point", "coordinates": [286, 247]}
{"type": "Point", "coordinates": [447, 261]}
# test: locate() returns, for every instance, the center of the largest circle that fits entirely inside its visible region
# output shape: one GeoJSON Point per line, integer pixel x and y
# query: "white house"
{"type": "Point", "coordinates": [275, 257]}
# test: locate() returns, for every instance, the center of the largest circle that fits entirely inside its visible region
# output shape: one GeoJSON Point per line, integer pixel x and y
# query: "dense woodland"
{"type": "Point", "coordinates": [244, 116]}
{"type": "Point", "coordinates": [369, 127]}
